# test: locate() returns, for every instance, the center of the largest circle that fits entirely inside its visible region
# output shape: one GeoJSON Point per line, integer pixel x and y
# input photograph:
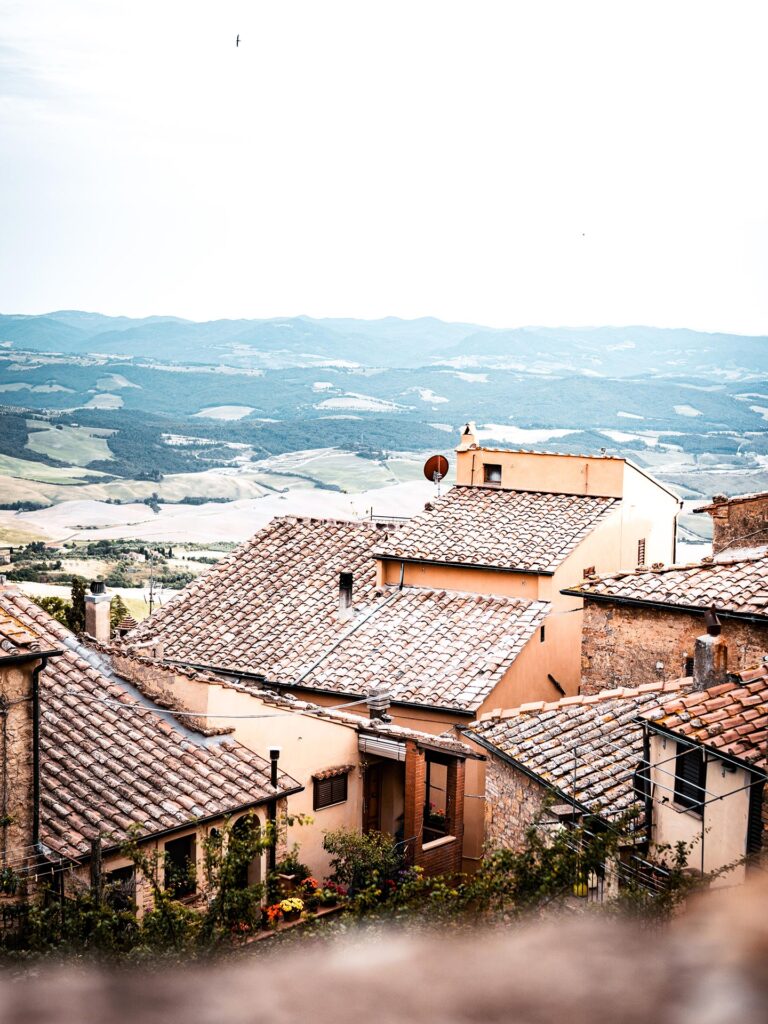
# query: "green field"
{"type": "Point", "coordinates": [76, 445]}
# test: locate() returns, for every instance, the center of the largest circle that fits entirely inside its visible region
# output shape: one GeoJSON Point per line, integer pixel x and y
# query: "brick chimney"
{"type": "Point", "coordinates": [710, 655]}
{"type": "Point", "coordinates": [97, 612]}
{"type": "Point", "coordinates": [345, 596]}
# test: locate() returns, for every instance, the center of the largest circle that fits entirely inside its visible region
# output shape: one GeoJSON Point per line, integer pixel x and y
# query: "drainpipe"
{"type": "Point", "coordinates": [274, 757]}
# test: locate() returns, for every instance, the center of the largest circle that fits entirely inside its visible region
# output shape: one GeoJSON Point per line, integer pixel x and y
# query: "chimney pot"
{"type": "Point", "coordinates": [345, 596]}
{"type": "Point", "coordinates": [274, 757]}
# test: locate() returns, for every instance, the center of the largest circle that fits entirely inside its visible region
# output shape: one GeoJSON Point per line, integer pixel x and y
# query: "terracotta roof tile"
{"type": "Point", "coordinates": [586, 749]}
{"type": "Point", "coordinates": [280, 592]}
{"type": "Point", "coordinates": [729, 718]}
{"type": "Point", "coordinates": [526, 530]}
{"type": "Point", "coordinates": [738, 585]}
{"type": "Point", "coordinates": [92, 755]}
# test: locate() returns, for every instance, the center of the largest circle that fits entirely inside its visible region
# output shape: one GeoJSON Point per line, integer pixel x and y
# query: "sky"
{"type": "Point", "coordinates": [505, 163]}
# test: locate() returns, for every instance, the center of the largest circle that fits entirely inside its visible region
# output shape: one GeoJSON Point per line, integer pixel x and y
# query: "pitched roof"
{"type": "Point", "coordinates": [107, 764]}
{"type": "Point", "coordinates": [586, 748]}
{"type": "Point", "coordinates": [530, 531]}
{"type": "Point", "coordinates": [433, 647]}
{"type": "Point", "coordinates": [731, 718]}
{"type": "Point", "coordinates": [274, 598]}
{"type": "Point", "coordinates": [272, 610]}
{"type": "Point", "coordinates": [737, 585]}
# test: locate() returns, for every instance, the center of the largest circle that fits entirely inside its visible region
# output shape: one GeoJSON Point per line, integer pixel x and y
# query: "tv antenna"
{"type": "Point", "coordinates": [436, 469]}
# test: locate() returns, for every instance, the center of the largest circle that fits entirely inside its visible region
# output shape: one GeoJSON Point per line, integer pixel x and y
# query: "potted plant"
{"type": "Point", "coordinates": [292, 908]}
{"type": "Point", "coordinates": [271, 916]}
{"type": "Point", "coordinates": [309, 890]}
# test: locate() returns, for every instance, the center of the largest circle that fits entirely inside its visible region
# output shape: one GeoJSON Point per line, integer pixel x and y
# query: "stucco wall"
{"type": "Point", "coordinates": [622, 645]}
{"type": "Point", "coordinates": [720, 834]}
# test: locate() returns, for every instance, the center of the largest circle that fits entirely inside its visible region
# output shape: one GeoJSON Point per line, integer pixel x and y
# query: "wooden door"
{"type": "Point", "coordinates": [372, 799]}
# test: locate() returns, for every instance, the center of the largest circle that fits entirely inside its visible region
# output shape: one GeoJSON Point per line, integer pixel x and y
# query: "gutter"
{"type": "Point", "coordinates": [636, 602]}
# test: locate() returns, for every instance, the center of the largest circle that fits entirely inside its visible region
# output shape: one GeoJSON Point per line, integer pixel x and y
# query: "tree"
{"type": "Point", "coordinates": [76, 614]}
{"type": "Point", "coordinates": [56, 607]}
{"type": "Point", "coordinates": [117, 611]}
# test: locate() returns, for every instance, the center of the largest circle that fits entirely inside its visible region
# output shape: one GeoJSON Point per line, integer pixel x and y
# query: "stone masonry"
{"type": "Point", "coordinates": [739, 523]}
{"type": "Point", "coordinates": [625, 646]}
{"type": "Point", "coordinates": [16, 784]}
{"type": "Point", "coordinates": [513, 802]}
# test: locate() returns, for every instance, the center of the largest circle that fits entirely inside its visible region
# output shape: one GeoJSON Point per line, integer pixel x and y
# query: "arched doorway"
{"type": "Point", "coordinates": [246, 828]}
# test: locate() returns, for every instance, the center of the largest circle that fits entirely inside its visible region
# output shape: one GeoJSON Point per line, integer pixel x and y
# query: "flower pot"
{"type": "Point", "coordinates": [292, 915]}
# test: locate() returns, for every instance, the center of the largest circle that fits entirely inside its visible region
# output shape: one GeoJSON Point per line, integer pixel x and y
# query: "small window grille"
{"type": "Point", "coordinates": [491, 473]}
{"type": "Point", "coordinates": [330, 791]}
{"type": "Point", "coordinates": [641, 552]}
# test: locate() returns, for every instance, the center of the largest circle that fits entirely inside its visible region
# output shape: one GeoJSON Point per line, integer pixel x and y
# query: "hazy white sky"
{"type": "Point", "coordinates": [509, 163]}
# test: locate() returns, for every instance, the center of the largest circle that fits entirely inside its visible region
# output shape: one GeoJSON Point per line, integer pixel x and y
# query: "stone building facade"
{"type": "Point", "coordinates": [740, 522]}
{"type": "Point", "coordinates": [630, 645]}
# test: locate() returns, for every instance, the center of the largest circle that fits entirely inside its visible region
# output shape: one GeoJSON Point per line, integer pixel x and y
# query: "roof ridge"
{"type": "Point", "coordinates": [707, 562]}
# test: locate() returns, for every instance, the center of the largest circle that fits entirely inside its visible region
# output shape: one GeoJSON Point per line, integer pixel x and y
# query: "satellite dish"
{"type": "Point", "coordinates": [436, 468]}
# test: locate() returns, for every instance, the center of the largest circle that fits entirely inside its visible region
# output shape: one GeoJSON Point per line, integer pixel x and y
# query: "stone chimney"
{"type": "Point", "coordinates": [738, 523]}
{"type": "Point", "coordinates": [710, 655]}
{"type": "Point", "coordinates": [468, 436]}
{"type": "Point", "coordinates": [345, 596]}
{"type": "Point", "coordinates": [97, 613]}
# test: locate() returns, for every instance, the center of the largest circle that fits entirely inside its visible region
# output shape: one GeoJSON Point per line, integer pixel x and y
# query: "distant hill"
{"type": "Point", "coordinates": [393, 342]}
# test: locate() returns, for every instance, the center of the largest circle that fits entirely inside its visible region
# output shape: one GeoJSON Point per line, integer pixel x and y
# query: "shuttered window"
{"type": "Point", "coordinates": [330, 791]}
{"type": "Point", "coordinates": [755, 820]}
{"type": "Point", "coordinates": [690, 778]}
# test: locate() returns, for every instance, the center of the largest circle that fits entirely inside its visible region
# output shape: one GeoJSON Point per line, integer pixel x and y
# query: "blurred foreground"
{"type": "Point", "coordinates": [707, 967]}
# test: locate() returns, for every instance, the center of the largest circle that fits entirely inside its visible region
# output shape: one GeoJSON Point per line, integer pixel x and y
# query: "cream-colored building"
{"type": "Point", "coordinates": [708, 767]}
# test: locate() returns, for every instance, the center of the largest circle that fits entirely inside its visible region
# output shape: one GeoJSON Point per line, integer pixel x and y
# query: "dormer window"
{"type": "Point", "coordinates": [491, 473]}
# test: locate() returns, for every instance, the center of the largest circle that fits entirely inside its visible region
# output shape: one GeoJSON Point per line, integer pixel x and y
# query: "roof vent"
{"type": "Point", "coordinates": [98, 587]}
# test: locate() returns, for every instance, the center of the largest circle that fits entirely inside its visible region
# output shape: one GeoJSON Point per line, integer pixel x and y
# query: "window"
{"type": "Point", "coordinates": [436, 804]}
{"type": "Point", "coordinates": [690, 778]}
{"type": "Point", "coordinates": [641, 780]}
{"type": "Point", "coordinates": [755, 819]}
{"type": "Point", "coordinates": [641, 552]}
{"type": "Point", "coordinates": [542, 634]}
{"type": "Point", "coordinates": [491, 473]}
{"type": "Point", "coordinates": [330, 791]}
{"type": "Point", "coordinates": [687, 665]}
{"type": "Point", "coordinates": [180, 866]}
{"type": "Point", "coordinates": [120, 888]}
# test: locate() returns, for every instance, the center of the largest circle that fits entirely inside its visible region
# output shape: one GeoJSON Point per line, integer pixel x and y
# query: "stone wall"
{"type": "Point", "coordinates": [513, 802]}
{"type": "Point", "coordinates": [16, 783]}
{"type": "Point", "coordinates": [629, 646]}
{"type": "Point", "coordinates": [740, 524]}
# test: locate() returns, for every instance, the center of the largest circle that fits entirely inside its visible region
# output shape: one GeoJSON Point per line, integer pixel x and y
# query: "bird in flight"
{"type": "Point", "coordinates": [237, 41]}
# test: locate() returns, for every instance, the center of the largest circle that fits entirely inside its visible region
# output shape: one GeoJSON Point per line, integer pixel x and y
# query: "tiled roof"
{"type": "Point", "coordinates": [737, 585]}
{"type": "Point", "coordinates": [587, 748]}
{"type": "Point", "coordinates": [433, 647]}
{"type": "Point", "coordinates": [731, 718]}
{"type": "Point", "coordinates": [15, 638]}
{"type": "Point", "coordinates": [530, 531]}
{"type": "Point", "coordinates": [272, 610]}
{"type": "Point", "coordinates": [106, 766]}
{"type": "Point", "coordinates": [274, 599]}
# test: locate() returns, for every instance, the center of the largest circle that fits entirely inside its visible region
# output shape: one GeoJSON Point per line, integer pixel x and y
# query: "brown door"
{"type": "Point", "coordinates": [372, 799]}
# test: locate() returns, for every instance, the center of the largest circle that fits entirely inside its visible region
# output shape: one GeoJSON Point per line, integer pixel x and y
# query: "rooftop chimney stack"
{"type": "Point", "coordinates": [710, 655]}
{"type": "Point", "coordinates": [378, 702]}
{"type": "Point", "coordinates": [274, 757]}
{"type": "Point", "coordinates": [345, 596]}
{"type": "Point", "coordinates": [97, 612]}
{"type": "Point", "coordinates": [468, 436]}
